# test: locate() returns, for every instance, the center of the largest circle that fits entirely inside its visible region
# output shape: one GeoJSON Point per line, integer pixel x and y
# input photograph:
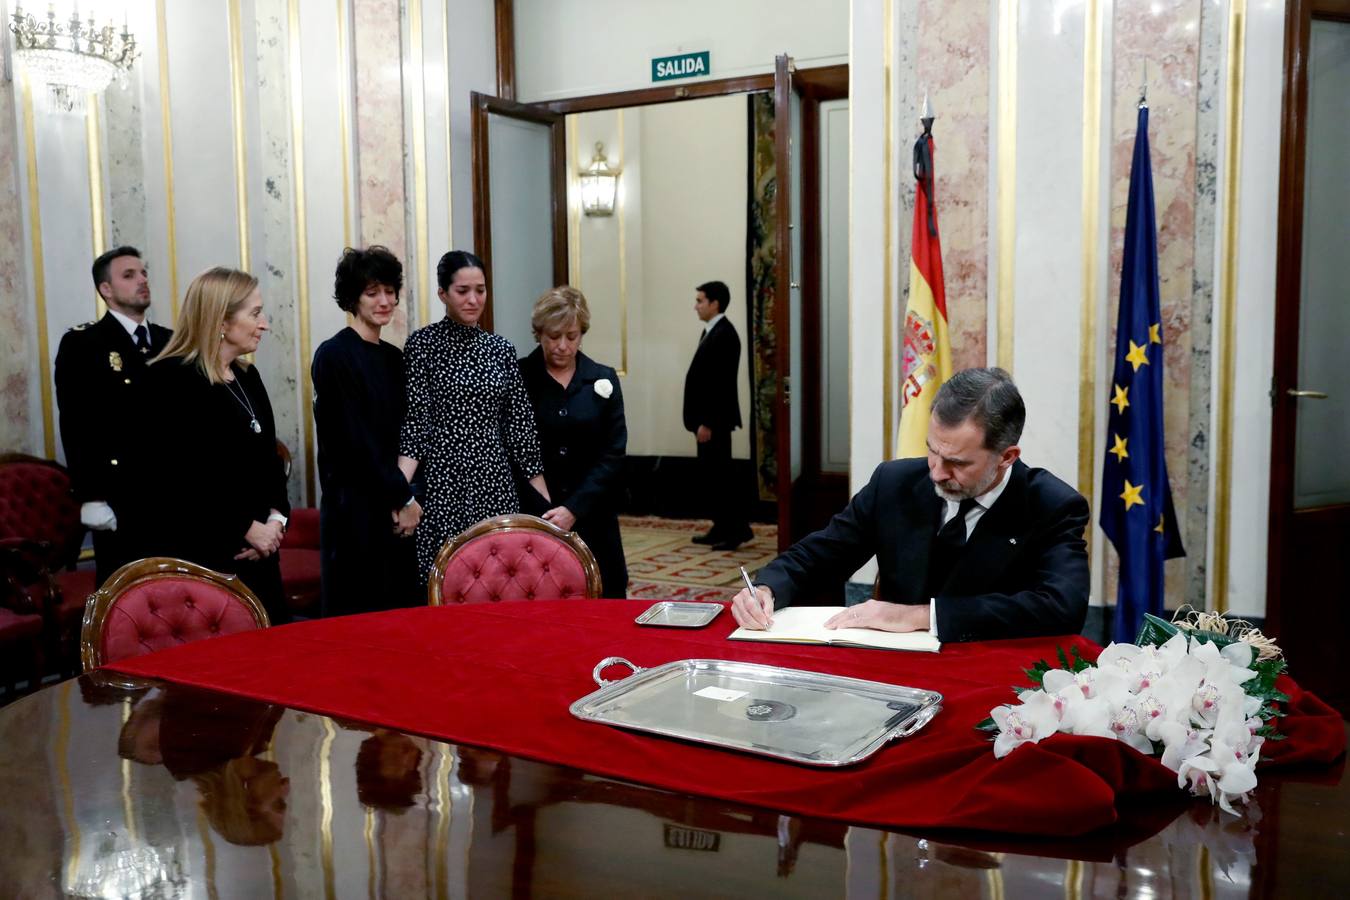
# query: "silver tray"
{"type": "Point", "coordinates": [804, 717]}
{"type": "Point", "coordinates": [674, 614]}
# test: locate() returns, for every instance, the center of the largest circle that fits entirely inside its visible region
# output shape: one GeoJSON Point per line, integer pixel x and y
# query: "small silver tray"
{"type": "Point", "coordinates": [674, 614]}
{"type": "Point", "coordinates": [804, 717]}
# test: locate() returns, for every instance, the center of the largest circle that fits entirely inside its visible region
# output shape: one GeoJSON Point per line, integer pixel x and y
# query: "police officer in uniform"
{"type": "Point", "coordinates": [100, 371]}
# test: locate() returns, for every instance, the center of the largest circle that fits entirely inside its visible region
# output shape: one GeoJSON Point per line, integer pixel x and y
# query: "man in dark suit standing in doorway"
{"type": "Point", "coordinates": [712, 411]}
{"type": "Point", "coordinates": [100, 370]}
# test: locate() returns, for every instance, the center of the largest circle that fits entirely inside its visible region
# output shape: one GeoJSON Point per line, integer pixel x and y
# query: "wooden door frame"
{"type": "Point", "coordinates": [1288, 287]}
{"type": "Point", "coordinates": [782, 202]}
{"type": "Point", "coordinates": [484, 105]}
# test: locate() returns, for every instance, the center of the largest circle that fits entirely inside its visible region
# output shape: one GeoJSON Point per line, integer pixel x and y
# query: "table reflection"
{"type": "Point", "coordinates": [168, 791]}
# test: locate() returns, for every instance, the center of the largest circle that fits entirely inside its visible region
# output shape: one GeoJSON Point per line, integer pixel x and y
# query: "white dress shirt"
{"type": "Point", "coordinates": [708, 325]}
{"type": "Point", "coordinates": [982, 504]}
{"type": "Point", "coordinates": [129, 323]}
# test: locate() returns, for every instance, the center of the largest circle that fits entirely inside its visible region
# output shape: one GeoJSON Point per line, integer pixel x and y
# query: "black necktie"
{"type": "Point", "coordinates": [701, 335]}
{"type": "Point", "coordinates": [954, 530]}
{"type": "Point", "coordinates": [142, 339]}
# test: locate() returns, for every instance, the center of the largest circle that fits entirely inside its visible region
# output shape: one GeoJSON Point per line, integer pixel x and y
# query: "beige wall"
{"type": "Point", "coordinates": [682, 222]}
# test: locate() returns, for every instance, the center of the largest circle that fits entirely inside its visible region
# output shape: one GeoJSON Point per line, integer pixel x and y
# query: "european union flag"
{"type": "Point", "coordinates": [1137, 513]}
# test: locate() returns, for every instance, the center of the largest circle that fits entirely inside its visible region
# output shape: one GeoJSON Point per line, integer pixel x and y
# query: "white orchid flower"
{"type": "Point", "coordinates": [1033, 720]}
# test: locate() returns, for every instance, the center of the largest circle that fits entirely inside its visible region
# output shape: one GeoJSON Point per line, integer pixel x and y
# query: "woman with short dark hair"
{"type": "Point", "coordinates": [469, 420]}
{"type": "Point", "coordinates": [368, 512]}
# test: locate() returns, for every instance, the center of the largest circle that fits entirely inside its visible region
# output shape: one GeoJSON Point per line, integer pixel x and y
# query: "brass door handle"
{"type": "Point", "coordinates": [1307, 395]}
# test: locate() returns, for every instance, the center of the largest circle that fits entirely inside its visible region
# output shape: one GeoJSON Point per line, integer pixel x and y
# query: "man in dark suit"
{"type": "Point", "coordinates": [712, 411]}
{"type": "Point", "coordinates": [971, 543]}
{"type": "Point", "coordinates": [100, 370]}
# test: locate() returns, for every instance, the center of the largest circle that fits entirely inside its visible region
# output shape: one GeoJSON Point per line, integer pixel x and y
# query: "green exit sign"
{"type": "Point", "coordinates": [686, 65]}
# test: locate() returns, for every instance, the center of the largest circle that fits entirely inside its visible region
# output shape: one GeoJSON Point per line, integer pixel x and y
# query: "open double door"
{"type": "Point", "coordinates": [520, 230]}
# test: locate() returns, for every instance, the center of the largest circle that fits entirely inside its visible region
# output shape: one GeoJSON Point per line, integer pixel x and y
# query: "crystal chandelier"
{"type": "Point", "coordinates": [74, 57]}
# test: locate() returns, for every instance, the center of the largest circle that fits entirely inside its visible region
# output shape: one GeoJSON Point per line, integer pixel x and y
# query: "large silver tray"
{"type": "Point", "coordinates": [804, 717]}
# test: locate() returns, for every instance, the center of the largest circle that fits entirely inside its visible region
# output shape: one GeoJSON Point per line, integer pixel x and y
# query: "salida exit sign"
{"type": "Point", "coordinates": [685, 65]}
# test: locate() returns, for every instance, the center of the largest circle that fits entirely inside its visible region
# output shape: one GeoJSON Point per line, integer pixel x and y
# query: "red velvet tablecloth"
{"type": "Point", "coordinates": [502, 676]}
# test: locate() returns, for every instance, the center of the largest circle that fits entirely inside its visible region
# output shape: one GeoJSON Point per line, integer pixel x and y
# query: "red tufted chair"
{"type": "Point", "coordinates": [40, 537]}
{"type": "Point", "coordinates": [515, 557]}
{"type": "Point", "coordinates": [155, 603]}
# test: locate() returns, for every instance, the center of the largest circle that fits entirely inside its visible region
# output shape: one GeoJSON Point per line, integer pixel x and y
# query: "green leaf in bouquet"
{"type": "Point", "coordinates": [987, 725]}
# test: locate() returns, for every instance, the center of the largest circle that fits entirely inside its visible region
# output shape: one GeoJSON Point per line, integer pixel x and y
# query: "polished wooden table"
{"type": "Point", "coordinates": [167, 791]}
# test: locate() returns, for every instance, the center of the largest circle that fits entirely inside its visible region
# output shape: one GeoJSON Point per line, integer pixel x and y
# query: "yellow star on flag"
{"type": "Point", "coordinates": [1122, 397]}
{"type": "Point", "coordinates": [1131, 495]}
{"type": "Point", "coordinates": [1153, 336]}
{"type": "Point", "coordinates": [1161, 529]}
{"type": "Point", "coordinates": [1119, 448]}
{"type": "Point", "coordinates": [1137, 357]}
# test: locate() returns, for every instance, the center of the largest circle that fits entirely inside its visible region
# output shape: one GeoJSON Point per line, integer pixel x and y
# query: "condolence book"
{"type": "Point", "coordinates": [806, 625]}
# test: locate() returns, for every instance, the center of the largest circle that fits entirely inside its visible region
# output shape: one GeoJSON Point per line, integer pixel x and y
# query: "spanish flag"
{"type": "Point", "coordinates": [927, 354]}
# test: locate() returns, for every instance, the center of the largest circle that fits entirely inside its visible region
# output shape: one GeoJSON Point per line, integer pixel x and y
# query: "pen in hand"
{"type": "Point", "coordinates": [749, 586]}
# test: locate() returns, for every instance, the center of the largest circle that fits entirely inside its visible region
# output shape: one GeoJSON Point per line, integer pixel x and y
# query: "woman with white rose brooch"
{"type": "Point", "coordinates": [578, 409]}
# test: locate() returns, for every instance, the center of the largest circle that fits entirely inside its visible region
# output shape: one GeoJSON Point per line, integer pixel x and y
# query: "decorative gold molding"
{"type": "Point", "coordinates": [326, 799]}
{"type": "Point", "coordinates": [623, 267]}
{"type": "Point", "coordinates": [166, 126]}
{"type": "Point", "coordinates": [344, 124]}
{"type": "Point", "coordinates": [449, 132]}
{"type": "Point", "coordinates": [93, 140]}
{"type": "Point", "coordinates": [1223, 464]}
{"type": "Point", "coordinates": [419, 148]}
{"type": "Point", "coordinates": [237, 108]}
{"type": "Point", "coordinates": [1094, 38]}
{"type": "Point", "coordinates": [1007, 175]}
{"type": "Point", "coordinates": [39, 273]}
{"type": "Point", "coordinates": [888, 298]}
{"type": "Point", "coordinates": [296, 63]}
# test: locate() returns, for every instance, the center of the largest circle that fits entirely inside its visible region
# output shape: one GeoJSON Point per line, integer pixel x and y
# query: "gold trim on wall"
{"type": "Point", "coordinates": [571, 125]}
{"type": "Point", "coordinates": [1094, 39]}
{"type": "Point", "coordinates": [1223, 464]}
{"type": "Point", "coordinates": [166, 126]}
{"type": "Point", "coordinates": [296, 63]}
{"type": "Point", "coordinates": [93, 140]}
{"type": "Point", "coordinates": [419, 148]}
{"type": "Point", "coordinates": [449, 132]}
{"type": "Point", "coordinates": [1007, 176]}
{"type": "Point", "coordinates": [623, 268]}
{"type": "Point", "coordinates": [888, 298]}
{"type": "Point", "coordinates": [237, 108]}
{"type": "Point", "coordinates": [39, 273]}
{"type": "Point", "coordinates": [344, 125]}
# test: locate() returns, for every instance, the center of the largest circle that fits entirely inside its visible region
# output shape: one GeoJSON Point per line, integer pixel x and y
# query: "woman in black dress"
{"type": "Point", "coordinates": [368, 512]}
{"type": "Point", "coordinates": [469, 421]}
{"type": "Point", "coordinates": [579, 409]}
{"type": "Point", "coordinates": [210, 442]}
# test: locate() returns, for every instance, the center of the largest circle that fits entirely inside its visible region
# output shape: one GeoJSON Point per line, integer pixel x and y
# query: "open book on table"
{"type": "Point", "coordinates": [806, 625]}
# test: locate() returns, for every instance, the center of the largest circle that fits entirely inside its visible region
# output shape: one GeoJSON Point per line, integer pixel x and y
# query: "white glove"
{"type": "Point", "coordinates": [98, 516]}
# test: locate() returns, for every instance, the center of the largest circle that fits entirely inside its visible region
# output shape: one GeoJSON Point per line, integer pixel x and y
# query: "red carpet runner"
{"type": "Point", "coordinates": [503, 675]}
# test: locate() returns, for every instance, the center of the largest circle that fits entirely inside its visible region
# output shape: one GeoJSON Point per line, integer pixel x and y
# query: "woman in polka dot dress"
{"type": "Point", "coordinates": [469, 418]}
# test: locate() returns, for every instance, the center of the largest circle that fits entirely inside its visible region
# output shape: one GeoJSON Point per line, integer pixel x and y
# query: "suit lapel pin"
{"type": "Point", "coordinates": [1012, 540]}
{"type": "Point", "coordinates": [115, 360]}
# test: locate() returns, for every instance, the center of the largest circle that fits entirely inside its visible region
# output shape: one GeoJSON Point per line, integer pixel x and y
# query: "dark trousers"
{"type": "Point", "coordinates": [112, 551]}
{"type": "Point", "coordinates": [724, 499]}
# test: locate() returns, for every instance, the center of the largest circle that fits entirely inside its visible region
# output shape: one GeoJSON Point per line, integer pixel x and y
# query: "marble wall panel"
{"type": "Point", "coordinates": [273, 210]}
{"type": "Point", "coordinates": [1165, 36]}
{"type": "Point", "coordinates": [123, 150]}
{"type": "Point", "coordinates": [383, 200]}
{"type": "Point", "coordinates": [952, 63]}
{"type": "Point", "coordinates": [17, 356]}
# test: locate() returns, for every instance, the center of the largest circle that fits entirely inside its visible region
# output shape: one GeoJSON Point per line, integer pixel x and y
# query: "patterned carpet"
{"type": "Point", "coordinates": [664, 565]}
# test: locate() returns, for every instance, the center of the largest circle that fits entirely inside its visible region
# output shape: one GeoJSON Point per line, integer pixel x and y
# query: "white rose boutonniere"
{"type": "Point", "coordinates": [604, 387]}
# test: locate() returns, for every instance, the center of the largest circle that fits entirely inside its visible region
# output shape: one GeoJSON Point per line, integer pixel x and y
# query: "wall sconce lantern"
{"type": "Point", "coordinates": [599, 185]}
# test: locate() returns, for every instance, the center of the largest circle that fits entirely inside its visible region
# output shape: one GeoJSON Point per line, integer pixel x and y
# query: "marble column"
{"type": "Point", "coordinates": [18, 358]}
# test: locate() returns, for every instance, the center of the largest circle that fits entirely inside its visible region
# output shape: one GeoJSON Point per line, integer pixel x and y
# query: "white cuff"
{"type": "Point", "coordinates": [98, 516]}
{"type": "Point", "coordinates": [278, 517]}
{"type": "Point", "coordinates": [932, 616]}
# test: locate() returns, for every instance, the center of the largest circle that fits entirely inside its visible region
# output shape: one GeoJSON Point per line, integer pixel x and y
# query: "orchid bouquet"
{"type": "Point", "coordinates": [1200, 698]}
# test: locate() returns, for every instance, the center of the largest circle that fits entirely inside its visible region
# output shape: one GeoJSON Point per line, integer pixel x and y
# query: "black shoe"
{"type": "Point", "coordinates": [729, 545]}
{"type": "Point", "coordinates": [708, 538]}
